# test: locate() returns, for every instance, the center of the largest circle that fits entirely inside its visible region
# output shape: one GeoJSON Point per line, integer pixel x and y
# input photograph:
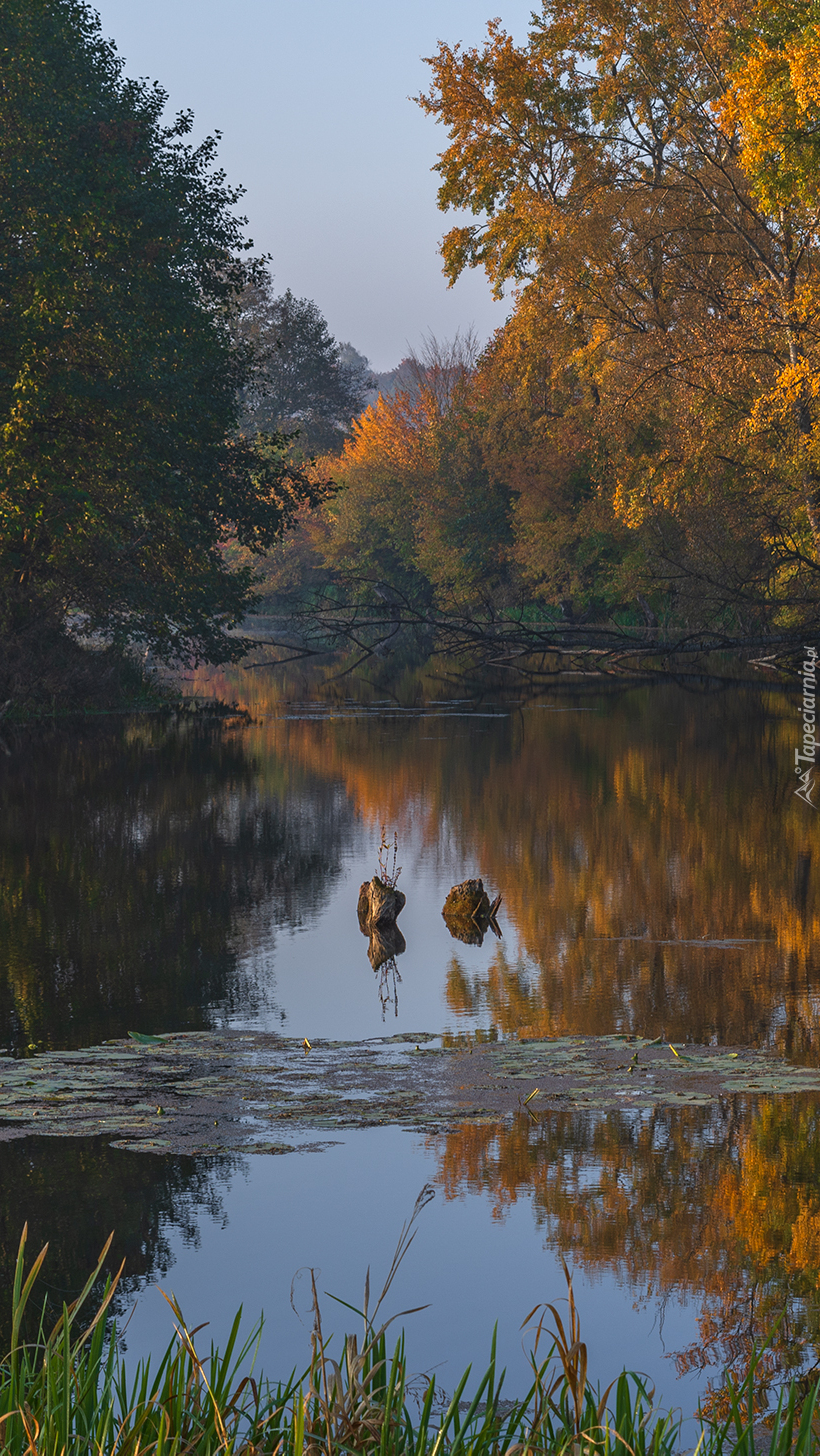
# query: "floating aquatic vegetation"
{"type": "Point", "coordinates": [210, 1092]}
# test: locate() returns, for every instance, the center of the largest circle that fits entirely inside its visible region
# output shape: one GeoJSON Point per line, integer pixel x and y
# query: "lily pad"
{"type": "Point", "coordinates": [219, 1091]}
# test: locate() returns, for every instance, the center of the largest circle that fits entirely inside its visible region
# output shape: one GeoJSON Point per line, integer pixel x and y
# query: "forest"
{"type": "Point", "coordinates": [638, 445]}
{"type": "Point", "coordinates": [632, 460]}
{"type": "Point", "coordinates": [621, 484]}
{"type": "Point", "coordinates": [640, 440]}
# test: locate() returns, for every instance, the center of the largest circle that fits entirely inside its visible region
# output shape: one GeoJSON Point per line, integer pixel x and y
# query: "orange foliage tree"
{"type": "Point", "coordinates": [421, 507]}
{"type": "Point", "coordinates": [619, 168]}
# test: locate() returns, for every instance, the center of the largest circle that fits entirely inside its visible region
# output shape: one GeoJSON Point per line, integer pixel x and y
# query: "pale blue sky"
{"type": "Point", "coordinates": [311, 100]}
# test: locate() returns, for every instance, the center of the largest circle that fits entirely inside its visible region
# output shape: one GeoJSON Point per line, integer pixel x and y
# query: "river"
{"type": "Point", "coordinates": [658, 878]}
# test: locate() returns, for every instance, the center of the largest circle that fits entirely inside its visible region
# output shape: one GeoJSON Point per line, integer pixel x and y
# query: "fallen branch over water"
{"type": "Point", "coordinates": [540, 648]}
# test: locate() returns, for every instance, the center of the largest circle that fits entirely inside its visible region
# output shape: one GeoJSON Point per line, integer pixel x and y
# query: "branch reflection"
{"type": "Point", "coordinates": [385, 942]}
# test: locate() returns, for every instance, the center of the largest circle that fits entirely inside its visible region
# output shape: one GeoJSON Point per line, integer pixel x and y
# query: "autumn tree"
{"type": "Point", "coordinates": [123, 469]}
{"type": "Point", "coordinates": [609, 165]}
{"type": "Point", "coordinates": [420, 508]}
{"type": "Point", "coordinates": [771, 108]}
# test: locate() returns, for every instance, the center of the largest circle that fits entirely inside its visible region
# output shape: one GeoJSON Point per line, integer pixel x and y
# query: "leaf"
{"type": "Point", "coordinates": [679, 1055]}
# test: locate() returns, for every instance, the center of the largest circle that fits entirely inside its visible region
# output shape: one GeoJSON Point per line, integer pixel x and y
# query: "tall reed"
{"type": "Point", "coordinates": [66, 1391]}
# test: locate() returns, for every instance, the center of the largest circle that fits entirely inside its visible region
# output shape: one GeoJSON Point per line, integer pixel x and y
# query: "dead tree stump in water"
{"type": "Point", "coordinates": [469, 913]}
{"type": "Point", "coordinates": [379, 905]}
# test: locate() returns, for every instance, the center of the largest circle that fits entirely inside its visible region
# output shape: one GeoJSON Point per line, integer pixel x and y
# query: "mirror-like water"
{"type": "Point", "coordinates": [658, 876]}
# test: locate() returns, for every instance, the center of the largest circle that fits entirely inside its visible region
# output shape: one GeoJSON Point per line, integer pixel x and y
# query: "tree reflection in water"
{"type": "Point", "coordinates": [719, 1203]}
{"type": "Point", "coordinates": [658, 874]}
{"type": "Point", "coordinates": [659, 877]}
{"type": "Point", "coordinates": [131, 861]}
{"type": "Point", "coordinates": [74, 1191]}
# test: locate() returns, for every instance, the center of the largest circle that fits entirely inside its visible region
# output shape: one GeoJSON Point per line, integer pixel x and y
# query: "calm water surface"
{"type": "Point", "coordinates": [657, 875]}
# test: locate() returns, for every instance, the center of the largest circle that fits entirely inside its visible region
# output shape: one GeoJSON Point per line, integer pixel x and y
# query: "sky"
{"type": "Point", "coordinates": [312, 100]}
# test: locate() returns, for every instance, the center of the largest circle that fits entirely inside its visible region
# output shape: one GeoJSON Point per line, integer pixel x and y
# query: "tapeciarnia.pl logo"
{"type": "Point", "coordinates": [808, 756]}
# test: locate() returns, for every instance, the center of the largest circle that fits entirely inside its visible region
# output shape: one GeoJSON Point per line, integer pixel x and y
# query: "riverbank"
{"type": "Point", "coordinates": [70, 1391]}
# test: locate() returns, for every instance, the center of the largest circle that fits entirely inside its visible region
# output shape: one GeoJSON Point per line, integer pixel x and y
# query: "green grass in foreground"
{"type": "Point", "coordinates": [68, 1392]}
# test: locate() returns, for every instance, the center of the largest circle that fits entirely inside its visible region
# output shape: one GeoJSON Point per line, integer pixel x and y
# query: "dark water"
{"type": "Point", "coordinates": [658, 876]}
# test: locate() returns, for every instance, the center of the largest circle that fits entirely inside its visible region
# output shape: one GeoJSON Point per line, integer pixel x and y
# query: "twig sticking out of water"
{"type": "Point", "coordinates": [389, 874]}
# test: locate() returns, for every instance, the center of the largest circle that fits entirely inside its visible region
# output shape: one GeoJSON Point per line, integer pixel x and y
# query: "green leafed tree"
{"type": "Point", "coordinates": [304, 380]}
{"type": "Point", "coordinates": [123, 469]}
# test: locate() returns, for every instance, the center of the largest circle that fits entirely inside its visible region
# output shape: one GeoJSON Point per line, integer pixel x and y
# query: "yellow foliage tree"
{"type": "Point", "coordinates": [618, 166]}
{"type": "Point", "coordinates": [421, 508]}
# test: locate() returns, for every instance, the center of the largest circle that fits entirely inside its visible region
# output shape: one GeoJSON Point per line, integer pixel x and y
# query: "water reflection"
{"type": "Point", "coordinates": [469, 913]}
{"type": "Point", "coordinates": [389, 982]}
{"type": "Point", "coordinates": [131, 864]}
{"type": "Point", "coordinates": [716, 1208]}
{"type": "Point", "coordinates": [240, 1231]}
{"type": "Point", "coordinates": [720, 1205]}
{"type": "Point", "coordinates": [384, 943]}
{"type": "Point", "coordinates": [659, 875]}
{"type": "Point", "coordinates": [73, 1192]}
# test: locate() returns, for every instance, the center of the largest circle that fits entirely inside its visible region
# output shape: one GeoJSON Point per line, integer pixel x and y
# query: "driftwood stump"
{"type": "Point", "coordinates": [379, 905]}
{"type": "Point", "coordinates": [469, 913]}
